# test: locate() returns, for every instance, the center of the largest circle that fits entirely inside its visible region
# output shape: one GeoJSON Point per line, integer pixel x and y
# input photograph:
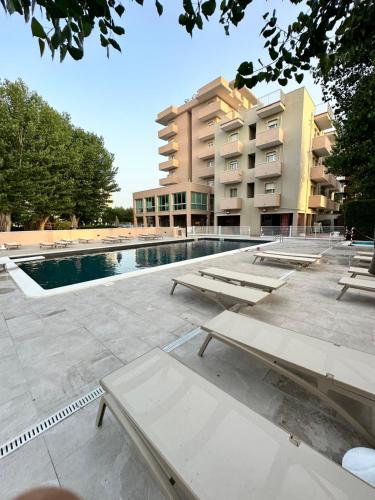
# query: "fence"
{"type": "Point", "coordinates": [219, 231]}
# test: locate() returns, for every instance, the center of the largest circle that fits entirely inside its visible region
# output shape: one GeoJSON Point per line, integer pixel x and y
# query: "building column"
{"type": "Point", "coordinates": [188, 218]}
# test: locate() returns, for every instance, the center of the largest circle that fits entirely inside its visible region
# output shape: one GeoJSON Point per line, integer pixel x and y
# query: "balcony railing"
{"type": "Point", "coordinates": [216, 108]}
{"type": "Point", "coordinates": [165, 116]}
{"type": "Point", "coordinates": [321, 145]}
{"type": "Point", "coordinates": [205, 172]}
{"type": "Point", "coordinates": [270, 138]}
{"type": "Point", "coordinates": [168, 132]}
{"type": "Point", "coordinates": [206, 152]}
{"type": "Point", "coordinates": [168, 149]}
{"type": "Point", "coordinates": [170, 180]}
{"type": "Point", "coordinates": [317, 201]}
{"type": "Point", "coordinates": [231, 121]}
{"type": "Point", "coordinates": [231, 176]}
{"type": "Point", "coordinates": [268, 169]}
{"type": "Point", "coordinates": [231, 149]}
{"type": "Point", "coordinates": [230, 204]}
{"type": "Point", "coordinates": [323, 116]}
{"type": "Point", "coordinates": [267, 200]}
{"type": "Point", "coordinates": [318, 174]}
{"type": "Point", "coordinates": [168, 165]}
{"type": "Point", "coordinates": [206, 133]}
{"type": "Point", "coordinates": [271, 104]}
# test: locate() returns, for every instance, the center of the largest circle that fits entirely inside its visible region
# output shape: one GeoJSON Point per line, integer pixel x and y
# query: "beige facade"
{"type": "Point", "coordinates": [263, 159]}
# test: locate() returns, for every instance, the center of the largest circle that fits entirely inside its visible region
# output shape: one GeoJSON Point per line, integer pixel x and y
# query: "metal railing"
{"type": "Point", "coordinates": [219, 231]}
{"type": "Point", "coordinates": [316, 231]}
{"type": "Point", "coordinates": [271, 98]}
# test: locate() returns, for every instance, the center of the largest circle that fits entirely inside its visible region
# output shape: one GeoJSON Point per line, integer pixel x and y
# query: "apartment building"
{"type": "Point", "coordinates": [233, 159]}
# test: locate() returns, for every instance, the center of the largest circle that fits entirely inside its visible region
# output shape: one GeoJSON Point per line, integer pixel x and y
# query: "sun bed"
{"type": "Point", "coordinates": [69, 242]}
{"type": "Point", "coordinates": [124, 237]}
{"type": "Point", "coordinates": [321, 367]}
{"type": "Point", "coordinates": [85, 240]}
{"type": "Point", "coordinates": [47, 245]}
{"type": "Point", "coordinates": [362, 259]}
{"type": "Point", "coordinates": [366, 254]}
{"type": "Point", "coordinates": [201, 443]}
{"type": "Point", "coordinates": [359, 271]}
{"type": "Point", "coordinates": [243, 279]}
{"type": "Point", "coordinates": [358, 284]}
{"type": "Point", "coordinates": [61, 244]}
{"type": "Point", "coordinates": [150, 237]}
{"type": "Point", "coordinates": [12, 245]}
{"type": "Point", "coordinates": [219, 290]}
{"type": "Point", "coordinates": [294, 254]}
{"type": "Point", "coordinates": [111, 240]}
{"type": "Point", "coordinates": [287, 259]}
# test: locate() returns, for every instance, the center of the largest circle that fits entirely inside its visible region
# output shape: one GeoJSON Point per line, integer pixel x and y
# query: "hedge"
{"type": "Point", "coordinates": [361, 215]}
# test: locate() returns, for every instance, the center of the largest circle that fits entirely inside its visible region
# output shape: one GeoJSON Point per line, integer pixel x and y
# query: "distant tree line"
{"type": "Point", "coordinates": [48, 167]}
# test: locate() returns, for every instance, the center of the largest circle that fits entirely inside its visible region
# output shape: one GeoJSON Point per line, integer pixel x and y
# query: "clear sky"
{"type": "Point", "coordinates": [119, 98]}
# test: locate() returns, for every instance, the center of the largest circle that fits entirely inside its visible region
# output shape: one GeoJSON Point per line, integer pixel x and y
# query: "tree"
{"type": "Point", "coordinates": [123, 215]}
{"type": "Point", "coordinates": [324, 31]}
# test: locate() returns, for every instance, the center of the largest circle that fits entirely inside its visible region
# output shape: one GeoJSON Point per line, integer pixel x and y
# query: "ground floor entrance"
{"type": "Point", "coordinates": [228, 220]}
{"type": "Point", "coordinates": [279, 220]}
{"type": "Point", "coordinates": [198, 220]}
{"type": "Point", "coordinates": [164, 221]}
{"type": "Point", "coordinates": [179, 220]}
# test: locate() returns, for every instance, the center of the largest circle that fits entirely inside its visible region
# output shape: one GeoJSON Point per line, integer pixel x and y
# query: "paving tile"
{"type": "Point", "coordinates": [13, 382]}
{"type": "Point", "coordinates": [16, 415]}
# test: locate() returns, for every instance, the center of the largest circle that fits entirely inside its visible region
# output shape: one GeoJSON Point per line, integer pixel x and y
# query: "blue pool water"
{"type": "Point", "coordinates": [71, 269]}
{"type": "Point", "coordinates": [362, 243]}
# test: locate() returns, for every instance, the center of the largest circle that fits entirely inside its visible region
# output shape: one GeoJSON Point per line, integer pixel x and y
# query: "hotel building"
{"type": "Point", "coordinates": [233, 159]}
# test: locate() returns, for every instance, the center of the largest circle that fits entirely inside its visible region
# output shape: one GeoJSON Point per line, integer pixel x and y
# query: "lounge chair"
{"type": "Point", "coordinates": [201, 443]}
{"type": "Point", "coordinates": [219, 290]}
{"type": "Point", "coordinates": [69, 242]}
{"type": "Point", "coordinates": [124, 237]}
{"type": "Point", "coordinates": [61, 244]}
{"type": "Point", "coordinates": [321, 367]}
{"type": "Point", "coordinates": [150, 237]}
{"type": "Point", "coordinates": [47, 245]}
{"type": "Point", "coordinates": [359, 271]}
{"type": "Point", "coordinates": [243, 279]}
{"type": "Point", "coordinates": [85, 240]}
{"type": "Point", "coordinates": [358, 284]}
{"type": "Point", "coordinates": [366, 254]}
{"type": "Point", "coordinates": [12, 245]}
{"type": "Point", "coordinates": [362, 259]}
{"type": "Point", "coordinates": [111, 240]}
{"type": "Point", "coordinates": [287, 259]}
{"type": "Point", "coordinates": [294, 254]}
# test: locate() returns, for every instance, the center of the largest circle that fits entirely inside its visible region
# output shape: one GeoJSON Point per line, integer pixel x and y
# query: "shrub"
{"type": "Point", "coordinates": [62, 224]}
{"type": "Point", "coordinates": [361, 215]}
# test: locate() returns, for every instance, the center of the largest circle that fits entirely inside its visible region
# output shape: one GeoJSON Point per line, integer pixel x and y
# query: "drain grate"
{"type": "Point", "coordinates": [181, 340]}
{"type": "Point", "coordinates": [35, 431]}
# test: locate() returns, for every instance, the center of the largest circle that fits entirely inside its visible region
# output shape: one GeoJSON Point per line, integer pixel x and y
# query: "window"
{"type": "Point", "coordinates": [171, 157]}
{"type": "Point", "coordinates": [232, 165]}
{"type": "Point", "coordinates": [150, 204]}
{"type": "Point", "coordinates": [163, 203]}
{"type": "Point", "coordinates": [250, 190]}
{"type": "Point", "coordinates": [211, 123]}
{"type": "Point", "coordinates": [251, 163]}
{"type": "Point", "coordinates": [138, 206]}
{"type": "Point", "coordinates": [233, 192]}
{"type": "Point", "coordinates": [233, 137]}
{"type": "Point", "coordinates": [198, 201]}
{"type": "Point", "coordinates": [179, 201]}
{"type": "Point", "coordinates": [212, 201]}
{"type": "Point", "coordinates": [252, 131]}
{"type": "Point", "coordinates": [273, 123]}
{"type": "Point", "coordinates": [271, 156]}
{"type": "Point", "coordinates": [210, 144]}
{"type": "Point", "coordinates": [210, 163]}
{"type": "Point", "coordinates": [211, 183]}
{"type": "Point", "coordinates": [269, 187]}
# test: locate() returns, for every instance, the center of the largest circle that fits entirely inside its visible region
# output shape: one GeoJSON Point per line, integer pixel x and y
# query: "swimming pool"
{"type": "Point", "coordinates": [359, 243]}
{"type": "Point", "coordinates": [78, 268]}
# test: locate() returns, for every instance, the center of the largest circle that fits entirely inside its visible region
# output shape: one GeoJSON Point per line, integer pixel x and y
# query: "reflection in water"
{"type": "Point", "coordinates": [53, 273]}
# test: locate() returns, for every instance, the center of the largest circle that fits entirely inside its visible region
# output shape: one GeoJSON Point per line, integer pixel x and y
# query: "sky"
{"type": "Point", "coordinates": [160, 64]}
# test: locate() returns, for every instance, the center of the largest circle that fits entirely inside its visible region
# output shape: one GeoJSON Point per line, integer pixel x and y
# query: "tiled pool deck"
{"type": "Point", "coordinates": [55, 349]}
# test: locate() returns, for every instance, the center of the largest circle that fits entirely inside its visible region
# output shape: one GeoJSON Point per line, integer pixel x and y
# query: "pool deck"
{"type": "Point", "coordinates": [55, 349]}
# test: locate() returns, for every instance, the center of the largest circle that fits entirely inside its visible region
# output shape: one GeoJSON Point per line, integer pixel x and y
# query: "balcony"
{"type": "Point", "coordinates": [212, 110]}
{"type": "Point", "coordinates": [231, 122]}
{"type": "Point", "coordinates": [270, 138]}
{"type": "Point", "coordinates": [271, 104]}
{"type": "Point", "coordinates": [323, 116]}
{"type": "Point", "coordinates": [318, 174]}
{"type": "Point", "coordinates": [206, 133]}
{"type": "Point", "coordinates": [231, 176]}
{"type": "Point", "coordinates": [205, 172]}
{"type": "Point", "coordinates": [220, 88]}
{"type": "Point", "coordinates": [317, 201]}
{"type": "Point", "coordinates": [268, 169]}
{"type": "Point", "coordinates": [231, 149]}
{"type": "Point", "coordinates": [267, 200]}
{"type": "Point", "coordinates": [333, 205]}
{"type": "Point", "coordinates": [230, 204]}
{"type": "Point", "coordinates": [165, 116]}
{"type": "Point", "coordinates": [206, 152]}
{"type": "Point", "coordinates": [169, 180]}
{"type": "Point", "coordinates": [321, 145]}
{"type": "Point", "coordinates": [168, 149]}
{"type": "Point", "coordinates": [168, 165]}
{"type": "Point", "coordinates": [168, 132]}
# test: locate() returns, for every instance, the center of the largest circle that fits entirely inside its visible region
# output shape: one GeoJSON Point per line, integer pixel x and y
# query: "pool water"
{"type": "Point", "coordinates": [358, 243]}
{"type": "Point", "coordinates": [70, 269]}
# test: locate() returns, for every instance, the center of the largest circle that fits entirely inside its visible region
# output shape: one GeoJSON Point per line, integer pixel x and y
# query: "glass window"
{"type": "Point", "coordinates": [139, 206]}
{"type": "Point", "coordinates": [163, 203]}
{"type": "Point", "coordinates": [271, 156]}
{"type": "Point", "coordinates": [269, 187]}
{"type": "Point", "coordinates": [233, 192]}
{"type": "Point", "coordinates": [212, 201]}
{"type": "Point", "coordinates": [252, 131]}
{"type": "Point", "coordinates": [233, 137]}
{"type": "Point", "coordinates": [250, 190]}
{"type": "Point", "coordinates": [210, 163]}
{"type": "Point", "coordinates": [273, 123]}
{"type": "Point", "coordinates": [251, 163]}
{"type": "Point", "coordinates": [198, 200]}
{"type": "Point", "coordinates": [210, 144]}
{"type": "Point", "coordinates": [150, 204]}
{"type": "Point", "coordinates": [179, 201]}
{"type": "Point", "coordinates": [232, 165]}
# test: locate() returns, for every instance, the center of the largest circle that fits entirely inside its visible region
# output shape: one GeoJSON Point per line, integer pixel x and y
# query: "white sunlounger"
{"type": "Point", "coordinates": [47, 245]}
{"type": "Point", "coordinates": [12, 245]}
{"type": "Point", "coordinates": [219, 291]}
{"type": "Point", "coordinates": [150, 237]}
{"type": "Point", "coordinates": [359, 271]}
{"type": "Point", "coordinates": [287, 259]}
{"type": "Point", "coordinates": [362, 259]}
{"type": "Point", "coordinates": [111, 240]}
{"type": "Point", "coordinates": [244, 279]}
{"type": "Point", "coordinates": [294, 254]}
{"type": "Point", "coordinates": [61, 244]}
{"type": "Point", "coordinates": [85, 240]}
{"type": "Point", "coordinates": [366, 254]}
{"type": "Point", "coordinates": [333, 368]}
{"type": "Point", "coordinates": [201, 443]}
{"type": "Point", "coordinates": [358, 284]}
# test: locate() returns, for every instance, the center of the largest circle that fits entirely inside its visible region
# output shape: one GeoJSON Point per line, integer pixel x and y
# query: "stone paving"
{"type": "Point", "coordinates": [55, 349]}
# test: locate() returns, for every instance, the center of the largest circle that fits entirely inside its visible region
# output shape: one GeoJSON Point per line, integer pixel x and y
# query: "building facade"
{"type": "Point", "coordinates": [233, 159]}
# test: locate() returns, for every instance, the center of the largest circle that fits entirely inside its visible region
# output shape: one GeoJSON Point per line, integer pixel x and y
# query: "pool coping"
{"type": "Point", "coordinates": [32, 289]}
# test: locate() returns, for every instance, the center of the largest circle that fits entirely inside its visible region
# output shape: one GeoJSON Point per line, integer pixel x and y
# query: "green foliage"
{"type": "Point", "coordinates": [353, 155]}
{"type": "Point", "coordinates": [123, 215]}
{"type": "Point", "coordinates": [361, 215]}
{"type": "Point", "coordinates": [62, 224]}
{"type": "Point", "coordinates": [47, 166]}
